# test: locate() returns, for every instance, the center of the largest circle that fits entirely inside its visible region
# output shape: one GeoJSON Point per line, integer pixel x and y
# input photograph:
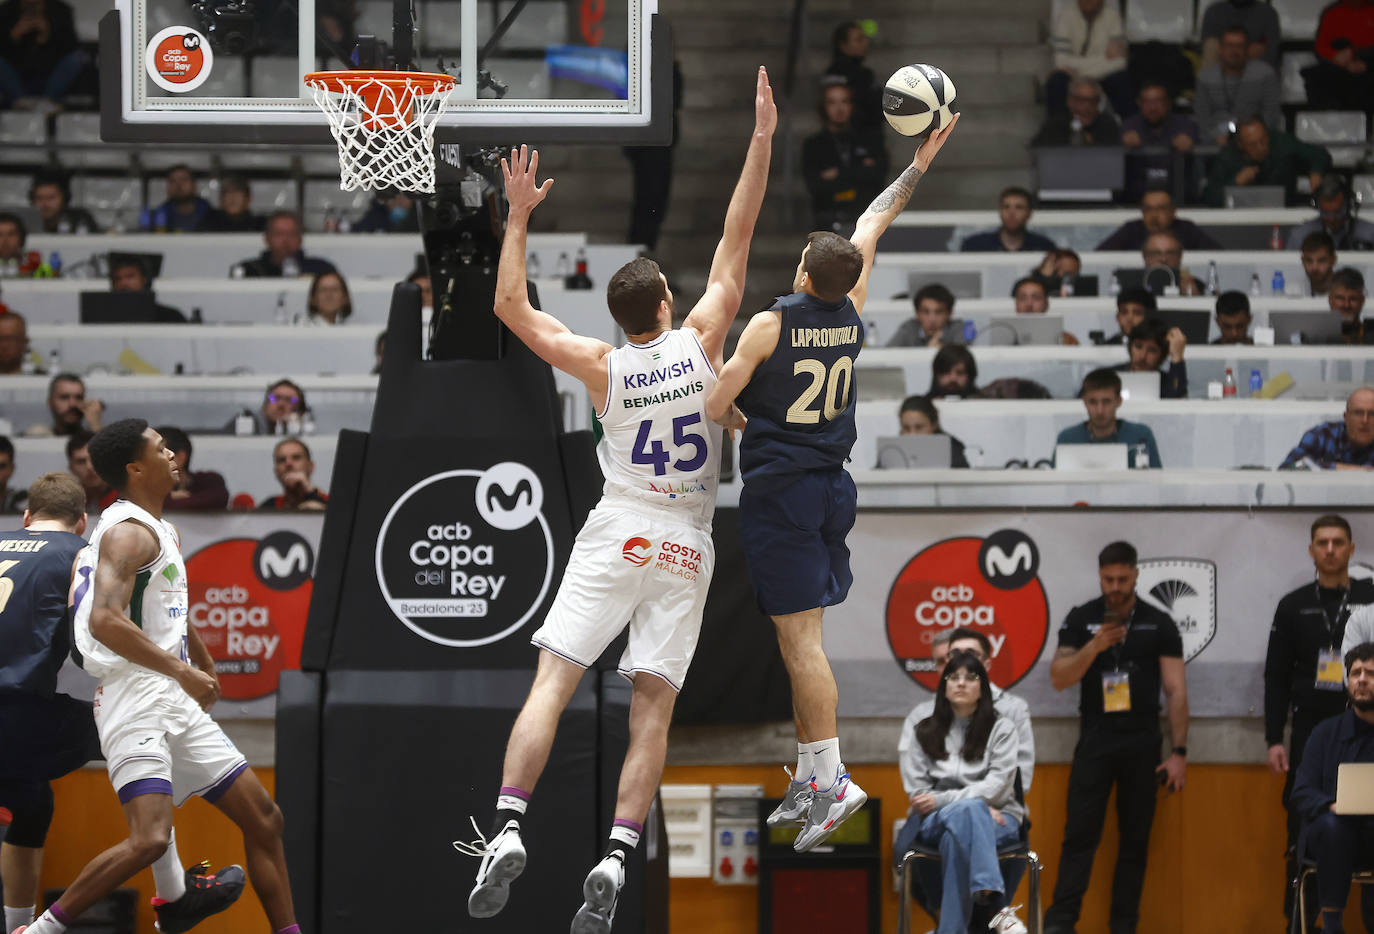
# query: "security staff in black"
{"type": "Point", "coordinates": [1303, 671]}
{"type": "Point", "coordinates": [1120, 652]}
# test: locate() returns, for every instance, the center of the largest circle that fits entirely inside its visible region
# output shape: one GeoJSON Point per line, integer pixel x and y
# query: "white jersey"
{"type": "Point", "coordinates": [158, 602]}
{"type": "Point", "coordinates": [657, 445]}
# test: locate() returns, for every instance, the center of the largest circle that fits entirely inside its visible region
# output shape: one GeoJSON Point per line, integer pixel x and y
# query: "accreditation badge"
{"type": "Point", "coordinates": [1330, 671]}
{"type": "Point", "coordinates": [1116, 692]}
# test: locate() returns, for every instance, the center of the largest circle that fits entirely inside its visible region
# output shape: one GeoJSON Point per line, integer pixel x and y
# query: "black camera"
{"type": "Point", "coordinates": [230, 26]}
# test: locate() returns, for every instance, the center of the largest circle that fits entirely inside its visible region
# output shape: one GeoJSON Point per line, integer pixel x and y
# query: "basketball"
{"type": "Point", "coordinates": [917, 99]}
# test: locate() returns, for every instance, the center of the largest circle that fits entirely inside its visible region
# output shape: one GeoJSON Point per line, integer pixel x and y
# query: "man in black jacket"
{"type": "Point", "coordinates": [1302, 669]}
{"type": "Point", "coordinates": [845, 167]}
{"type": "Point", "coordinates": [1340, 843]}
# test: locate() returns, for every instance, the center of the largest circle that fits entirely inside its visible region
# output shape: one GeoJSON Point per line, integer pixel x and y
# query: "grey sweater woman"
{"type": "Point", "coordinates": [952, 778]}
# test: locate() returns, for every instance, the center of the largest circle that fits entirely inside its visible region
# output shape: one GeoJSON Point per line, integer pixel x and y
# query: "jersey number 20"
{"type": "Point", "coordinates": [647, 452]}
{"type": "Point", "coordinates": [837, 384]}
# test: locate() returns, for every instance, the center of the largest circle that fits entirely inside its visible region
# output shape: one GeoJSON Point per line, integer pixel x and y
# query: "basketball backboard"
{"type": "Point", "coordinates": [230, 71]}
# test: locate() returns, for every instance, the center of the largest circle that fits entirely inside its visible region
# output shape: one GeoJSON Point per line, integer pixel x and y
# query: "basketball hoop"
{"type": "Point", "coordinates": [384, 123]}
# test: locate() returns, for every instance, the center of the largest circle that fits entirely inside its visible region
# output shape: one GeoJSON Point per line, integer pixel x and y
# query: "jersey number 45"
{"type": "Point", "coordinates": [653, 452]}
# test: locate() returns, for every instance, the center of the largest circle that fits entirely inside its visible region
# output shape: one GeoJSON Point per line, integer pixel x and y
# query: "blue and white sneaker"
{"type": "Point", "coordinates": [829, 809]}
{"type": "Point", "coordinates": [795, 804]}
{"type": "Point", "coordinates": [601, 891]}
{"type": "Point", "coordinates": [503, 859]}
{"type": "Point", "coordinates": [1006, 922]}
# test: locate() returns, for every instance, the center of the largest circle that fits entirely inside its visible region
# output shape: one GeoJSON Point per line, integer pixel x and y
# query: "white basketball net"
{"type": "Point", "coordinates": [385, 131]}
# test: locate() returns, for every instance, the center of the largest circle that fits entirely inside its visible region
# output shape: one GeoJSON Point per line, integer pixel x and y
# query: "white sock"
{"type": "Point", "coordinates": [168, 875]}
{"type": "Point", "coordinates": [806, 764]}
{"type": "Point", "coordinates": [17, 916]}
{"type": "Point", "coordinates": [828, 766]}
{"type": "Point", "coordinates": [47, 924]}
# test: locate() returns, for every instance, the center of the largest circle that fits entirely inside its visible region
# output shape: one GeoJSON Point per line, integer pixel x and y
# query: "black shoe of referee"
{"type": "Point", "coordinates": [207, 894]}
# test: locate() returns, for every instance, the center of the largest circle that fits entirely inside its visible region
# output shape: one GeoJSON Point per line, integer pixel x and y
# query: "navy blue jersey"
{"type": "Point", "coordinates": [800, 401]}
{"type": "Point", "coordinates": [35, 634]}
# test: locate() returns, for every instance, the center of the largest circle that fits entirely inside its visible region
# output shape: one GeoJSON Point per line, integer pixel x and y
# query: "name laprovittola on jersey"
{"type": "Point", "coordinates": [657, 445]}
{"type": "Point", "coordinates": [800, 401]}
{"type": "Point", "coordinates": [158, 602]}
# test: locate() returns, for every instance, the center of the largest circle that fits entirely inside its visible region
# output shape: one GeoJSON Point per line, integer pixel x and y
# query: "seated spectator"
{"type": "Point", "coordinates": [40, 58]}
{"type": "Point", "coordinates": [391, 212]}
{"type": "Point", "coordinates": [844, 167]}
{"type": "Point", "coordinates": [1133, 306]}
{"type": "Point", "coordinates": [1256, 156]}
{"type": "Point", "coordinates": [1014, 210]}
{"type": "Point", "coordinates": [953, 373]}
{"type": "Point", "coordinates": [1233, 318]}
{"type": "Point", "coordinates": [1085, 124]}
{"type": "Point", "coordinates": [1163, 251]}
{"type": "Point", "coordinates": [129, 273]}
{"type": "Point", "coordinates": [931, 325]}
{"type": "Point", "coordinates": [1318, 261]}
{"type": "Point", "coordinates": [1236, 87]}
{"type": "Point", "coordinates": [11, 499]}
{"type": "Point", "coordinates": [282, 411]}
{"type": "Point", "coordinates": [1101, 395]}
{"type": "Point", "coordinates": [962, 770]}
{"type": "Point", "coordinates": [14, 343]}
{"type": "Point", "coordinates": [1335, 218]}
{"type": "Point", "coordinates": [329, 301]}
{"type": "Point", "coordinates": [71, 411]}
{"type": "Point", "coordinates": [1346, 298]}
{"type": "Point", "coordinates": [284, 256]}
{"type": "Point", "coordinates": [99, 494]}
{"type": "Point", "coordinates": [1032, 298]}
{"type": "Point", "coordinates": [234, 214]}
{"type": "Point", "coordinates": [184, 211]}
{"type": "Point", "coordinates": [849, 48]}
{"type": "Point", "coordinates": [14, 259]}
{"type": "Point", "coordinates": [1342, 79]}
{"type": "Point", "coordinates": [918, 416]}
{"type": "Point", "coordinates": [1155, 126]}
{"type": "Point", "coordinates": [292, 464]}
{"type": "Point", "coordinates": [1089, 42]}
{"type": "Point", "coordinates": [1150, 344]}
{"type": "Point", "coordinates": [1344, 445]}
{"type": "Point", "coordinates": [1339, 843]}
{"type": "Point", "coordinates": [1157, 215]}
{"type": "Point", "coordinates": [50, 197]}
{"type": "Point", "coordinates": [1058, 270]}
{"type": "Point", "coordinates": [1259, 21]}
{"type": "Point", "coordinates": [203, 490]}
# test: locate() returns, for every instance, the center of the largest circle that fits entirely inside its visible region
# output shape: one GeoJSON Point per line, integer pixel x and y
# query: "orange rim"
{"type": "Point", "coordinates": [371, 87]}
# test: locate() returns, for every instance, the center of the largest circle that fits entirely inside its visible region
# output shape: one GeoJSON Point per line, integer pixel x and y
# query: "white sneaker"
{"type": "Point", "coordinates": [1006, 922]}
{"type": "Point", "coordinates": [503, 859]}
{"type": "Point", "coordinates": [828, 810]}
{"type": "Point", "coordinates": [600, 891]}
{"type": "Point", "coordinates": [795, 804]}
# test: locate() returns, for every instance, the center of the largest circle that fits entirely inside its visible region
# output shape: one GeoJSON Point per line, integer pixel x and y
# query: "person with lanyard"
{"type": "Point", "coordinates": [1120, 652]}
{"type": "Point", "coordinates": [1303, 671]}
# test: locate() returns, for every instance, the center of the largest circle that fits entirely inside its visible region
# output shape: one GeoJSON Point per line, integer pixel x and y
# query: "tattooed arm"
{"type": "Point", "coordinates": [885, 208]}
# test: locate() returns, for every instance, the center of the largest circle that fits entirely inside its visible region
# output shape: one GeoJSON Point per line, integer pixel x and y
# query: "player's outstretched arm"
{"type": "Point", "coordinates": [725, 285]}
{"type": "Point", "coordinates": [582, 357]}
{"type": "Point", "coordinates": [123, 550]}
{"type": "Point", "coordinates": [885, 208]}
{"type": "Point", "coordinates": [756, 345]}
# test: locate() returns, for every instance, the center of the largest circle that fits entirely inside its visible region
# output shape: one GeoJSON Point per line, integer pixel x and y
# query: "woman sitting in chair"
{"type": "Point", "coordinates": [965, 796]}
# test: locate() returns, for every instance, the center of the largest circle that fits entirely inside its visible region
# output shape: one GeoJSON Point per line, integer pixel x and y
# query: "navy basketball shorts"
{"type": "Point", "coordinates": [793, 533]}
{"type": "Point", "coordinates": [30, 801]}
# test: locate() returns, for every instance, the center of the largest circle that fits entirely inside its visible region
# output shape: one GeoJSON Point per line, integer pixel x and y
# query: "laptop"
{"type": "Point", "coordinates": [1090, 457]}
{"type": "Point", "coordinates": [1305, 327]}
{"type": "Point", "coordinates": [1139, 387]}
{"type": "Point", "coordinates": [881, 383]}
{"type": "Point", "coordinates": [1354, 788]}
{"type": "Point", "coordinates": [1072, 172]}
{"type": "Point", "coordinates": [921, 452]}
{"type": "Point", "coordinates": [1195, 324]}
{"type": "Point", "coordinates": [1023, 331]}
{"type": "Point", "coordinates": [1255, 196]}
{"type": "Point", "coordinates": [963, 284]}
{"type": "Point", "coordinates": [118, 308]}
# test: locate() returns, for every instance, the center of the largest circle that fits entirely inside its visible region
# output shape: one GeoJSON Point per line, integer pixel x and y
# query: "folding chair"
{"type": "Point", "coordinates": [1018, 849]}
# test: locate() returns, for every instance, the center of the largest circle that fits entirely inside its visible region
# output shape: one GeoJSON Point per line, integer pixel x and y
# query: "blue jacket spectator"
{"type": "Point", "coordinates": [1014, 210]}
{"type": "Point", "coordinates": [184, 211]}
{"type": "Point", "coordinates": [1343, 445]}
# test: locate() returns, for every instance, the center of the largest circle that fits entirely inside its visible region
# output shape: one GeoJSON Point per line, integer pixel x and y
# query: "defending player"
{"type": "Point", "coordinates": [660, 456]}
{"type": "Point", "coordinates": [793, 374]}
{"type": "Point", "coordinates": [45, 712]}
{"type": "Point", "coordinates": [129, 594]}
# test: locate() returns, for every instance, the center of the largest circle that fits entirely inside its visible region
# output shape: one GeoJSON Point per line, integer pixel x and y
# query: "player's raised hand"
{"type": "Point", "coordinates": [520, 172]}
{"type": "Point", "coordinates": [925, 155]}
{"type": "Point", "coordinates": [765, 111]}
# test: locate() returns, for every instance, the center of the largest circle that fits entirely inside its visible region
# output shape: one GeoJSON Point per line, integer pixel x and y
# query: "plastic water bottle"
{"type": "Point", "coordinates": [971, 330]}
{"type": "Point", "coordinates": [55, 362]}
{"type": "Point", "coordinates": [1228, 385]}
{"type": "Point", "coordinates": [307, 422]}
{"type": "Point", "coordinates": [55, 262]}
{"type": "Point", "coordinates": [237, 271]}
{"type": "Point", "coordinates": [290, 268]}
{"type": "Point", "coordinates": [564, 267]}
{"type": "Point", "coordinates": [1255, 287]}
{"type": "Point", "coordinates": [1213, 279]}
{"type": "Point", "coordinates": [1275, 239]}
{"type": "Point", "coordinates": [1066, 286]}
{"type": "Point", "coordinates": [532, 265]}
{"type": "Point", "coordinates": [1256, 382]}
{"type": "Point", "coordinates": [279, 315]}
{"type": "Point", "coordinates": [331, 221]}
{"type": "Point", "coordinates": [1114, 286]}
{"type": "Point", "coordinates": [1276, 286]}
{"type": "Point", "coordinates": [870, 333]}
{"type": "Point", "coordinates": [1140, 456]}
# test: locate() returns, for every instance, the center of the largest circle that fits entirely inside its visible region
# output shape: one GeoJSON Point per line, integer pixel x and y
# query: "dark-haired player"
{"type": "Point", "coordinates": [793, 374]}
{"type": "Point", "coordinates": [130, 623]}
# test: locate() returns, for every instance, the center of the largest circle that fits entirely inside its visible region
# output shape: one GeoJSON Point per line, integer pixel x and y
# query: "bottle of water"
{"type": "Point", "coordinates": [1140, 456]}
{"type": "Point", "coordinates": [237, 271]}
{"type": "Point", "coordinates": [1276, 286]}
{"type": "Point", "coordinates": [532, 265]}
{"type": "Point", "coordinates": [579, 279]}
{"type": "Point", "coordinates": [871, 333]}
{"type": "Point", "coordinates": [1114, 286]}
{"type": "Point", "coordinates": [54, 362]}
{"type": "Point", "coordinates": [1255, 287]}
{"type": "Point", "coordinates": [55, 263]}
{"type": "Point", "coordinates": [331, 220]}
{"type": "Point", "coordinates": [345, 225]}
{"type": "Point", "coordinates": [1228, 385]}
{"type": "Point", "coordinates": [1256, 382]}
{"type": "Point", "coordinates": [564, 267]}
{"type": "Point", "coordinates": [279, 315]}
{"type": "Point", "coordinates": [1066, 286]}
{"type": "Point", "coordinates": [971, 329]}
{"type": "Point", "coordinates": [307, 422]}
{"type": "Point", "coordinates": [1213, 280]}
{"type": "Point", "coordinates": [1275, 239]}
{"type": "Point", "coordinates": [290, 268]}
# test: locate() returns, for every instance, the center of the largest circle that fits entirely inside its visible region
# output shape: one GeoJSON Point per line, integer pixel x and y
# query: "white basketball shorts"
{"type": "Point", "coordinates": [639, 564]}
{"type": "Point", "coordinates": [156, 740]}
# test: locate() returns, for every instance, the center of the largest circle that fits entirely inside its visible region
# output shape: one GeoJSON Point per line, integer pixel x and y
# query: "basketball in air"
{"type": "Point", "coordinates": [918, 99]}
